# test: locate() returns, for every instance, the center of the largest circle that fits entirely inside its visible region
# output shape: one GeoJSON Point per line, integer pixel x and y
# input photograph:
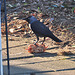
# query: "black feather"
{"type": "Point", "coordinates": [40, 29]}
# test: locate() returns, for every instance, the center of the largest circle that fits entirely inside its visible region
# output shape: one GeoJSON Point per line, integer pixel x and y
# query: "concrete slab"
{"type": "Point", "coordinates": [47, 63]}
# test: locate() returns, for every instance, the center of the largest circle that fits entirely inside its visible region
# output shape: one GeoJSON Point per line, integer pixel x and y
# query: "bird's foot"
{"type": "Point", "coordinates": [35, 44]}
{"type": "Point", "coordinates": [43, 44]}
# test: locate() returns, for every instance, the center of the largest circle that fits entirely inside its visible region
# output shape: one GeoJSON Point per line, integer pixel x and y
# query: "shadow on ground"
{"type": "Point", "coordinates": [14, 46]}
{"type": "Point", "coordinates": [26, 71]}
{"type": "Point", "coordinates": [45, 54]}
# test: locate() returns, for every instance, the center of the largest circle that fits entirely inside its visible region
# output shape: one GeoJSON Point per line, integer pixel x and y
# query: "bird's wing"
{"type": "Point", "coordinates": [40, 29]}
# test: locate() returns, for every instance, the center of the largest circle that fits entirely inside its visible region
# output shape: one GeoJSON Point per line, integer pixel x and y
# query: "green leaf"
{"type": "Point", "coordinates": [25, 3]}
{"type": "Point", "coordinates": [72, 9]}
{"type": "Point", "coordinates": [38, 8]}
{"type": "Point", "coordinates": [33, 56]}
{"type": "Point", "coordinates": [64, 58]}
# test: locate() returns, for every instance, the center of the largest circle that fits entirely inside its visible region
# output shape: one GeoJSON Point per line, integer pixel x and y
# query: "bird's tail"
{"type": "Point", "coordinates": [52, 36]}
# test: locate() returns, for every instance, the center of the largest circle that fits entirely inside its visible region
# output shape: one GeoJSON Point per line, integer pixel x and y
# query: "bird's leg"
{"type": "Point", "coordinates": [36, 41]}
{"type": "Point", "coordinates": [43, 40]}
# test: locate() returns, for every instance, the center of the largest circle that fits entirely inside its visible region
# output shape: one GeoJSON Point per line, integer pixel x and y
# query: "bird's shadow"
{"type": "Point", "coordinates": [45, 54]}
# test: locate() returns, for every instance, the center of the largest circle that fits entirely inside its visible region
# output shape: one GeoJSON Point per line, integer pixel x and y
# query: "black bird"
{"type": "Point", "coordinates": [40, 29]}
